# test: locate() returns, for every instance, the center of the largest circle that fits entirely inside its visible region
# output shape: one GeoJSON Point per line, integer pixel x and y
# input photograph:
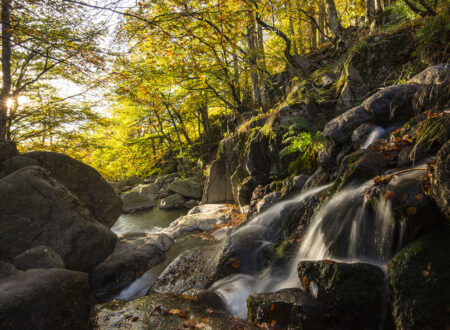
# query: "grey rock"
{"type": "Point", "coordinates": [187, 188]}
{"type": "Point", "coordinates": [245, 190]}
{"type": "Point", "coordinates": [45, 299]}
{"type": "Point", "coordinates": [197, 222]}
{"type": "Point", "coordinates": [440, 188]}
{"type": "Point", "coordinates": [268, 200]}
{"type": "Point", "coordinates": [84, 182]}
{"type": "Point", "coordinates": [290, 308]}
{"type": "Point", "coordinates": [7, 269]}
{"type": "Point", "coordinates": [172, 202]}
{"type": "Point", "coordinates": [351, 294]}
{"type": "Point", "coordinates": [363, 164]}
{"type": "Point", "coordinates": [151, 188]}
{"type": "Point", "coordinates": [191, 203]}
{"type": "Point", "coordinates": [391, 103]}
{"type": "Point", "coordinates": [133, 255]}
{"type": "Point", "coordinates": [37, 210]}
{"type": "Point", "coordinates": [17, 162]}
{"type": "Point", "coordinates": [340, 129]}
{"type": "Point", "coordinates": [361, 133]}
{"type": "Point", "coordinates": [304, 111]}
{"type": "Point", "coordinates": [162, 311]}
{"type": "Point", "coordinates": [134, 200]}
{"type": "Point", "coordinates": [38, 257]}
{"type": "Point", "coordinates": [218, 186]}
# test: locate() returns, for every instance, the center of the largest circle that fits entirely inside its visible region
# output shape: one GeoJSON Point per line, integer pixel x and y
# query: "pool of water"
{"type": "Point", "coordinates": [149, 221]}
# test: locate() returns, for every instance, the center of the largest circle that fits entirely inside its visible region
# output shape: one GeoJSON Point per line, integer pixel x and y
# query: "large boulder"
{"type": "Point", "coordinates": [434, 87]}
{"type": "Point", "coordinates": [84, 182]}
{"type": "Point", "coordinates": [287, 308]}
{"type": "Point", "coordinates": [37, 210]}
{"type": "Point", "coordinates": [172, 202]}
{"type": "Point", "coordinates": [187, 188]}
{"type": "Point", "coordinates": [419, 277]}
{"type": "Point", "coordinates": [150, 188]}
{"type": "Point", "coordinates": [133, 201]}
{"type": "Point", "coordinates": [195, 268]}
{"type": "Point", "coordinates": [340, 129]}
{"type": "Point", "coordinates": [351, 294]}
{"type": "Point", "coordinates": [218, 186]}
{"type": "Point", "coordinates": [440, 187]}
{"type": "Point", "coordinates": [45, 299]}
{"type": "Point", "coordinates": [362, 165]}
{"type": "Point", "coordinates": [162, 311]}
{"type": "Point", "coordinates": [391, 103]}
{"type": "Point", "coordinates": [134, 254]}
{"type": "Point", "coordinates": [7, 269]}
{"type": "Point", "coordinates": [16, 163]}
{"type": "Point", "coordinates": [38, 257]}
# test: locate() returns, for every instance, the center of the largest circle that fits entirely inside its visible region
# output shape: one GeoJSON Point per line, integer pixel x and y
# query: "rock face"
{"type": "Point", "coordinates": [16, 163]}
{"type": "Point", "coordinates": [7, 269]}
{"type": "Point", "coordinates": [419, 276]}
{"type": "Point", "coordinates": [289, 308]}
{"type": "Point", "coordinates": [440, 187]}
{"type": "Point", "coordinates": [162, 311]}
{"type": "Point", "coordinates": [172, 202]}
{"type": "Point", "coordinates": [187, 188]}
{"type": "Point", "coordinates": [352, 294]}
{"type": "Point", "coordinates": [133, 201]}
{"type": "Point", "coordinates": [134, 254]}
{"type": "Point", "coordinates": [37, 210]}
{"type": "Point", "coordinates": [84, 182]}
{"type": "Point", "coordinates": [218, 186]}
{"type": "Point", "coordinates": [45, 299]}
{"type": "Point", "coordinates": [38, 257]}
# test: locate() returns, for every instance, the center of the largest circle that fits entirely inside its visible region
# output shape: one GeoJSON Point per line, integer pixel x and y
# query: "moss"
{"type": "Point", "coordinates": [419, 276]}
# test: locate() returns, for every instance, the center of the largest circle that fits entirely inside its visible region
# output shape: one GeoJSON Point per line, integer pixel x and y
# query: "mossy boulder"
{"type": "Point", "coordinates": [287, 308]}
{"type": "Point", "coordinates": [162, 311]}
{"type": "Point", "coordinates": [440, 188]}
{"type": "Point", "coordinates": [420, 277]}
{"type": "Point", "coordinates": [352, 294]}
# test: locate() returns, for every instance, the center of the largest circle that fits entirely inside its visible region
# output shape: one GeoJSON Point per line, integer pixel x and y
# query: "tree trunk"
{"type": "Point", "coordinates": [6, 66]}
{"type": "Point", "coordinates": [253, 53]}
{"type": "Point", "coordinates": [370, 10]}
{"type": "Point", "coordinates": [321, 22]}
{"type": "Point", "coordinates": [335, 23]}
{"type": "Point", "coordinates": [291, 28]}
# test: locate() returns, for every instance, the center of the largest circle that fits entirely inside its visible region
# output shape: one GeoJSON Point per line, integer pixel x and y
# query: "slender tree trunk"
{"type": "Point", "coordinates": [291, 28]}
{"type": "Point", "coordinates": [321, 22]}
{"type": "Point", "coordinates": [262, 60]}
{"type": "Point", "coordinates": [370, 10]}
{"type": "Point", "coordinates": [252, 45]}
{"type": "Point", "coordinates": [6, 66]}
{"type": "Point", "coordinates": [335, 23]}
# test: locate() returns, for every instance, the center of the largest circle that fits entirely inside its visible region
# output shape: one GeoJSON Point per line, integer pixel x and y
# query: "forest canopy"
{"type": "Point", "coordinates": [174, 76]}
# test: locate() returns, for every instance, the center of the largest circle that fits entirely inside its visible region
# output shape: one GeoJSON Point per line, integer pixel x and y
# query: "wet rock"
{"type": "Point", "coordinates": [172, 202]}
{"type": "Point", "coordinates": [7, 269]}
{"type": "Point", "coordinates": [391, 103]}
{"type": "Point", "coordinates": [259, 163]}
{"type": "Point", "coordinates": [406, 157]}
{"type": "Point", "coordinates": [206, 298]}
{"type": "Point", "coordinates": [362, 164]}
{"type": "Point", "coordinates": [351, 294]}
{"type": "Point", "coordinates": [413, 211]}
{"type": "Point", "coordinates": [222, 233]}
{"type": "Point", "coordinates": [37, 210]}
{"type": "Point", "coordinates": [268, 200]}
{"type": "Point", "coordinates": [361, 133]}
{"type": "Point", "coordinates": [45, 299]}
{"type": "Point", "coordinates": [320, 177]}
{"type": "Point", "coordinates": [133, 255]}
{"type": "Point", "coordinates": [289, 308]}
{"type": "Point", "coordinates": [340, 129]}
{"type": "Point", "coordinates": [196, 268]}
{"type": "Point", "coordinates": [84, 182]}
{"type": "Point", "coordinates": [208, 208]}
{"type": "Point", "coordinates": [419, 277]}
{"type": "Point", "coordinates": [197, 222]}
{"type": "Point", "coordinates": [440, 188]}
{"type": "Point", "coordinates": [133, 201]}
{"type": "Point", "coordinates": [161, 311]}
{"type": "Point", "coordinates": [38, 257]}
{"type": "Point", "coordinates": [434, 87]}
{"type": "Point", "coordinates": [218, 186]}
{"type": "Point", "coordinates": [186, 188]}
{"type": "Point", "coordinates": [8, 150]}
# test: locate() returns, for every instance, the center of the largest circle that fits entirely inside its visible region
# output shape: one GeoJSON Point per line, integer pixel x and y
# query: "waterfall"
{"type": "Point", "coordinates": [347, 228]}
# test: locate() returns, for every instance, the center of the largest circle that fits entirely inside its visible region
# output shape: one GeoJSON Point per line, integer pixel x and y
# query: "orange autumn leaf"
{"type": "Point", "coordinates": [174, 311]}
{"type": "Point", "coordinates": [304, 282]}
{"type": "Point", "coordinates": [273, 324]}
{"type": "Point", "coordinates": [389, 195]}
{"type": "Point", "coordinates": [272, 307]}
{"type": "Point", "coordinates": [411, 210]}
{"type": "Point", "coordinates": [418, 197]}
{"type": "Point", "coordinates": [329, 262]}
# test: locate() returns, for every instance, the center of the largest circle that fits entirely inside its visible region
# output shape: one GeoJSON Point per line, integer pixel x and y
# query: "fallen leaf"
{"type": "Point", "coordinates": [304, 282]}
{"type": "Point", "coordinates": [135, 319]}
{"type": "Point", "coordinates": [272, 307]}
{"type": "Point", "coordinates": [418, 197]}
{"type": "Point", "coordinates": [183, 314]}
{"type": "Point", "coordinates": [425, 273]}
{"type": "Point", "coordinates": [389, 195]}
{"type": "Point", "coordinates": [273, 324]}
{"type": "Point", "coordinates": [174, 311]}
{"type": "Point", "coordinates": [329, 262]}
{"type": "Point", "coordinates": [190, 323]}
{"type": "Point", "coordinates": [205, 319]}
{"type": "Point", "coordinates": [411, 210]}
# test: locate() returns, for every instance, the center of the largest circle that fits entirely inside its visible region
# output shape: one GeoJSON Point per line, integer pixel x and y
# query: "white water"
{"type": "Point", "coordinates": [376, 134]}
{"type": "Point", "coordinates": [345, 229]}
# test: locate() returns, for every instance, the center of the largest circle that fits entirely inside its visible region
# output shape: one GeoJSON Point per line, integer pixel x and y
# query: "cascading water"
{"type": "Point", "coordinates": [348, 228]}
